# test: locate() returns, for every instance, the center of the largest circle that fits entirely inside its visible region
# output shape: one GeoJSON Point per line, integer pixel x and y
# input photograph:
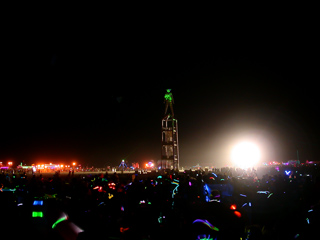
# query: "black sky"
{"type": "Point", "coordinates": [91, 88]}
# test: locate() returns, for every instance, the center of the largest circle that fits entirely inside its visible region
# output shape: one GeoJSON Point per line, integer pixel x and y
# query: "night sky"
{"type": "Point", "coordinates": [91, 89]}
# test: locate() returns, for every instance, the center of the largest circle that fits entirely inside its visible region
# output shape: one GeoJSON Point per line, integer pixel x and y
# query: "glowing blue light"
{"type": "Point", "coordinates": [249, 204]}
{"type": "Point", "coordinates": [244, 205]}
{"type": "Point", "coordinates": [207, 190]}
{"type": "Point", "coordinates": [287, 172]}
{"type": "Point", "coordinates": [200, 237]}
{"type": "Point", "coordinates": [311, 210]}
{"type": "Point", "coordinates": [308, 220]}
{"type": "Point", "coordinates": [37, 203]}
{"type": "Point", "coordinates": [242, 195]}
{"type": "Point", "coordinates": [215, 174]}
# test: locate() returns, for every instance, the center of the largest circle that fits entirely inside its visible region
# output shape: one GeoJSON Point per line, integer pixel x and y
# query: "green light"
{"type": "Point", "coordinates": [37, 214]}
{"type": "Point", "coordinates": [168, 97]}
{"type": "Point", "coordinates": [59, 221]}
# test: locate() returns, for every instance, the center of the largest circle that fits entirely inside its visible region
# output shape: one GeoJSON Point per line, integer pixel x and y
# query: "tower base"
{"type": "Point", "coordinates": [165, 164]}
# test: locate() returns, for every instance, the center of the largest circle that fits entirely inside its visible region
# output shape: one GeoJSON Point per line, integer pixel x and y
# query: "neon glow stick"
{"type": "Point", "coordinates": [59, 221]}
{"type": "Point", "coordinates": [7, 190]}
{"type": "Point", "coordinates": [270, 195]}
{"type": "Point", "coordinates": [37, 203]}
{"type": "Point", "coordinates": [207, 223]}
{"type": "Point", "coordinates": [37, 214]}
{"type": "Point", "coordinates": [264, 192]}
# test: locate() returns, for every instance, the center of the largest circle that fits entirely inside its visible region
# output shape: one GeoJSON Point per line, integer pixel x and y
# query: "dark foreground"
{"type": "Point", "coordinates": [226, 204]}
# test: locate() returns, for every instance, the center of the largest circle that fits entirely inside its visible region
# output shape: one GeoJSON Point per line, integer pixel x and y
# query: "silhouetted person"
{"type": "Point", "coordinates": [168, 100]}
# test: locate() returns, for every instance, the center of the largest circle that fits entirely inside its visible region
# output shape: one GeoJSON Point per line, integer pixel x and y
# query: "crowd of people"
{"type": "Point", "coordinates": [227, 203]}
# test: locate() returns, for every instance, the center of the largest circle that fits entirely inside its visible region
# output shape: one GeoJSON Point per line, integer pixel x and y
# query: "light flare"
{"type": "Point", "coordinates": [245, 155]}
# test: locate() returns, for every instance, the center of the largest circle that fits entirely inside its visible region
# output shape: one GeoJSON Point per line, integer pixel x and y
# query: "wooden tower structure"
{"type": "Point", "coordinates": [169, 136]}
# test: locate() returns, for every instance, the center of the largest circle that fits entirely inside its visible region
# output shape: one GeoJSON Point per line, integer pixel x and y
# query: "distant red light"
{"type": "Point", "coordinates": [123, 229]}
{"type": "Point", "coordinates": [238, 214]}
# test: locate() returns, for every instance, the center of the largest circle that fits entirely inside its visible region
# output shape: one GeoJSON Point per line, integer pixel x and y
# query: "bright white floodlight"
{"type": "Point", "coordinates": [245, 155]}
